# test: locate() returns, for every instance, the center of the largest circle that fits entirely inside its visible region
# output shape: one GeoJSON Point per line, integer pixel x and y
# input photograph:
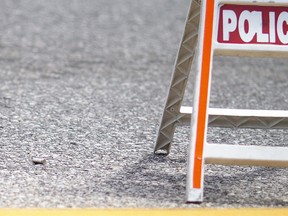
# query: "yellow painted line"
{"type": "Point", "coordinates": [145, 212]}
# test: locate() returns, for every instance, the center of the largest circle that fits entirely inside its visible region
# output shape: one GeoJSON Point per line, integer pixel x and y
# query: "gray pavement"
{"type": "Point", "coordinates": [83, 84]}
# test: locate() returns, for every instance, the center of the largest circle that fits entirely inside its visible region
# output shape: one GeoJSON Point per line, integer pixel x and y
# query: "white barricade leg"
{"type": "Point", "coordinates": [182, 67]}
{"type": "Point", "coordinates": [201, 102]}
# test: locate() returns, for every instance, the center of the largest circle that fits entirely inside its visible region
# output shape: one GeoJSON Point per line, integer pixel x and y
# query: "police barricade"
{"type": "Point", "coordinates": [223, 27]}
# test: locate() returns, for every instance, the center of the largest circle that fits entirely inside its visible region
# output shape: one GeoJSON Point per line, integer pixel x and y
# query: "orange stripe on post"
{"type": "Point", "coordinates": [203, 98]}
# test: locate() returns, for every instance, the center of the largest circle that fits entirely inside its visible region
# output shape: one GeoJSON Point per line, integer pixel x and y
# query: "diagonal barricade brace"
{"type": "Point", "coordinates": [178, 83]}
{"type": "Point", "coordinates": [223, 27]}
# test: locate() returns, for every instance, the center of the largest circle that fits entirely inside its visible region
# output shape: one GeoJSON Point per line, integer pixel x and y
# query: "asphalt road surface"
{"type": "Point", "coordinates": [83, 85]}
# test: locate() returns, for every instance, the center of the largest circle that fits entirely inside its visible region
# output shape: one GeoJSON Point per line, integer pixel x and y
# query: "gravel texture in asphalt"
{"type": "Point", "coordinates": [83, 85]}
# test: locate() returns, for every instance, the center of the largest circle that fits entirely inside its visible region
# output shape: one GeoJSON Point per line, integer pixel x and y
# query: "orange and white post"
{"type": "Point", "coordinates": [195, 171]}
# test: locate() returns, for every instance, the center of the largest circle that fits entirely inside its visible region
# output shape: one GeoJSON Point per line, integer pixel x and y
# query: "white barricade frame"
{"type": "Point", "coordinates": [207, 12]}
